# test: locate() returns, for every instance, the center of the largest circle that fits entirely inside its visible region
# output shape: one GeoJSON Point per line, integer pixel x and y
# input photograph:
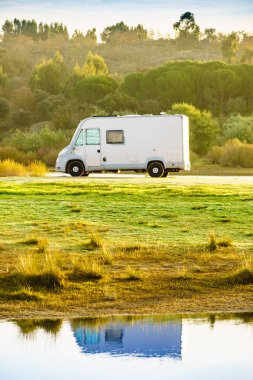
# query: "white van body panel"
{"type": "Point", "coordinates": [162, 138]}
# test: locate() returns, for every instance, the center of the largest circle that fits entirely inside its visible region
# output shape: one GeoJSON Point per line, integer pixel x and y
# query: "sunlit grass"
{"type": "Point", "coordinates": [129, 245]}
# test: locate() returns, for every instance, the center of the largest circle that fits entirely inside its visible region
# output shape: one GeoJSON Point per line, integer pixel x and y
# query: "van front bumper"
{"type": "Point", "coordinates": [60, 165]}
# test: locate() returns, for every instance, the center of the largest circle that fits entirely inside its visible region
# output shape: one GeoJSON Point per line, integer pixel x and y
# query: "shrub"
{"type": "Point", "coordinates": [4, 107]}
{"type": "Point", "coordinates": [233, 153]}
{"type": "Point", "coordinates": [13, 153]}
{"type": "Point", "coordinates": [37, 169]}
{"type": "Point", "coordinates": [11, 168]}
{"type": "Point", "coordinates": [32, 141]}
{"type": "Point", "coordinates": [21, 118]}
{"type": "Point", "coordinates": [239, 127]}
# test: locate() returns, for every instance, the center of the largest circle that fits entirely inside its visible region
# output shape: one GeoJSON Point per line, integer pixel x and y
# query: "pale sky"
{"type": "Point", "coordinates": [223, 15]}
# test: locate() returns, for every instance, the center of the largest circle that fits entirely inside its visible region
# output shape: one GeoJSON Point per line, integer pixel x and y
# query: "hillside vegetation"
{"type": "Point", "coordinates": [49, 81]}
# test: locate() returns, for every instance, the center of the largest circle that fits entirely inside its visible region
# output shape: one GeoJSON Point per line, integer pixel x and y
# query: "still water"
{"type": "Point", "coordinates": [212, 347]}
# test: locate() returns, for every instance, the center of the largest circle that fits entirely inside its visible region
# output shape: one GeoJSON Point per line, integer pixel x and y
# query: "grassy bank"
{"type": "Point", "coordinates": [98, 247]}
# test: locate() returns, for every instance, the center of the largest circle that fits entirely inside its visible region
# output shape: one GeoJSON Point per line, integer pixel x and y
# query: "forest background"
{"type": "Point", "coordinates": [50, 80]}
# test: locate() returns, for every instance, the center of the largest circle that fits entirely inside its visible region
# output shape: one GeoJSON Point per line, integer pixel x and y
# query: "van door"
{"type": "Point", "coordinates": [92, 147]}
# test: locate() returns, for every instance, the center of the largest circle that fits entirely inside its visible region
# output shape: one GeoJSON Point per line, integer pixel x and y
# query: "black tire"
{"type": "Point", "coordinates": [166, 172]}
{"type": "Point", "coordinates": [76, 168]}
{"type": "Point", "coordinates": [85, 174]}
{"type": "Point", "coordinates": [156, 169]}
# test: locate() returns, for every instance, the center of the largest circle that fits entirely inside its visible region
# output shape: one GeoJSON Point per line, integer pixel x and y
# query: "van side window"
{"type": "Point", "coordinates": [92, 137]}
{"type": "Point", "coordinates": [79, 140]}
{"type": "Point", "coordinates": [115, 137]}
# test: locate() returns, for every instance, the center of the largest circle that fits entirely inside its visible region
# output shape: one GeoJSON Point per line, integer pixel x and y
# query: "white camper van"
{"type": "Point", "coordinates": [157, 144]}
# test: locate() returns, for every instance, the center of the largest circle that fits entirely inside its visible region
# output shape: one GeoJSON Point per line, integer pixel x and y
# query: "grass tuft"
{"type": "Point", "coordinates": [242, 277]}
{"type": "Point", "coordinates": [133, 274]}
{"type": "Point", "coordinates": [37, 273]}
{"type": "Point", "coordinates": [215, 243]}
{"type": "Point", "coordinates": [30, 241]}
{"type": "Point", "coordinates": [108, 294]}
{"type": "Point", "coordinates": [86, 270]}
{"type": "Point", "coordinates": [106, 255]}
{"type": "Point", "coordinates": [95, 240]}
{"type": "Point", "coordinates": [212, 246]}
{"type": "Point", "coordinates": [42, 245]}
{"type": "Point", "coordinates": [24, 294]}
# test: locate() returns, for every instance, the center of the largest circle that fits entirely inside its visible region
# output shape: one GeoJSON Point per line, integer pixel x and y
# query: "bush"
{"type": "Point", "coordinates": [14, 154]}
{"type": "Point", "coordinates": [4, 107]}
{"type": "Point", "coordinates": [32, 141]}
{"type": "Point", "coordinates": [239, 127]}
{"type": "Point", "coordinates": [21, 118]}
{"type": "Point", "coordinates": [10, 168]}
{"type": "Point", "coordinates": [233, 153]}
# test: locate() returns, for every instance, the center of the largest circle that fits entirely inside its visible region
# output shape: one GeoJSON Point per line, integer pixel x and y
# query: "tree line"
{"type": "Point", "coordinates": [187, 35]}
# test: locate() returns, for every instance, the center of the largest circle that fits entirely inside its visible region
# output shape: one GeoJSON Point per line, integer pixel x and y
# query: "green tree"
{"type": "Point", "coordinates": [50, 75]}
{"type": "Point", "coordinates": [45, 107]}
{"type": "Point", "coordinates": [93, 88]}
{"type": "Point", "coordinates": [8, 28]}
{"type": "Point", "coordinates": [210, 35]}
{"type": "Point", "coordinates": [204, 129]}
{"type": "Point", "coordinates": [21, 118]}
{"type": "Point", "coordinates": [29, 28]}
{"type": "Point", "coordinates": [225, 83]}
{"type": "Point", "coordinates": [118, 101]}
{"type": "Point", "coordinates": [230, 46]}
{"type": "Point", "coordinates": [4, 108]}
{"type": "Point", "coordinates": [94, 65]}
{"type": "Point", "coordinates": [186, 29]}
{"type": "Point", "coordinates": [108, 32]}
{"type": "Point", "coordinates": [3, 77]}
{"type": "Point", "coordinates": [91, 35]}
{"type": "Point", "coordinates": [174, 86]}
{"type": "Point", "coordinates": [23, 98]}
{"type": "Point", "coordinates": [132, 85]}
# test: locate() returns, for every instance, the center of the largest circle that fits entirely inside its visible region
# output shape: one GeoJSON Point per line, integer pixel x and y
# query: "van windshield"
{"type": "Point", "coordinates": [79, 140]}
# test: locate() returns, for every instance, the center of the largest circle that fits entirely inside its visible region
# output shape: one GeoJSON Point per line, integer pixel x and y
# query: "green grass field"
{"type": "Point", "coordinates": [85, 247]}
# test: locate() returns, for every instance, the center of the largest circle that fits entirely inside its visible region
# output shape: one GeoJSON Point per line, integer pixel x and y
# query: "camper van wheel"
{"type": "Point", "coordinates": [166, 172]}
{"type": "Point", "coordinates": [156, 169]}
{"type": "Point", "coordinates": [75, 168]}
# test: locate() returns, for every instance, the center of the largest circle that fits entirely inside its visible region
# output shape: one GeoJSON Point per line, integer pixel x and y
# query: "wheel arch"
{"type": "Point", "coordinates": [152, 161]}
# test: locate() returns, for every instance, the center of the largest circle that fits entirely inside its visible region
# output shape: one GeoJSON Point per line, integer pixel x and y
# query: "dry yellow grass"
{"type": "Point", "coordinates": [10, 168]}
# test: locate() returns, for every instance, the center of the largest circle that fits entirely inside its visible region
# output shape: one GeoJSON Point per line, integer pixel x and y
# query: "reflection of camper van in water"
{"type": "Point", "coordinates": [139, 339]}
